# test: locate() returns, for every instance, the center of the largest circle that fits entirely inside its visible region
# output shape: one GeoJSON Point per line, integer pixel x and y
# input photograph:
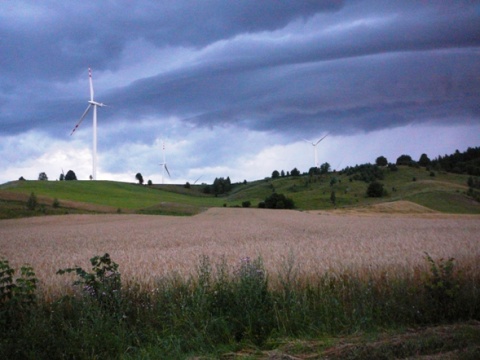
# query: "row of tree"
{"type": "Point", "coordinates": [43, 176]}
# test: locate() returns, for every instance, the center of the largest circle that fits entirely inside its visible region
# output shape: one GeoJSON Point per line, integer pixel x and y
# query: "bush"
{"type": "Point", "coordinates": [375, 189]}
{"type": "Point", "coordinates": [442, 286]}
{"type": "Point", "coordinates": [56, 203]}
{"type": "Point", "coordinates": [32, 202]}
{"type": "Point", "coordinates": [278, 201]}
{"type": "Point", "coordinates": [246, 204]}
{"type": "Point", "coordinates": [102, 284]}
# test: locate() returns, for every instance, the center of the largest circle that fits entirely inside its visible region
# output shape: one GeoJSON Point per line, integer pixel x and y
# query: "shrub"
{"type": "Point", "coordinates": [375, 189]}
{"type": "Point", "coordinates": [32, 202]}
{"type": "Point", "coordinates": [278, 201]}
{"type": "Point", "coordinates": [246, 204]}
{"type": "Point", "coordinates": [56, 203]}
{"type": "Point", "coordinates": [16, 298]}
{"type": "Point", "coordinates": [102, 284]}
{"type": "Point", "coordinates": [442, 286]}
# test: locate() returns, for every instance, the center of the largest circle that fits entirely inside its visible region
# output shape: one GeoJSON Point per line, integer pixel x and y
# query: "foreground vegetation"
{"type": "Point", "coordinates": [224, 309]}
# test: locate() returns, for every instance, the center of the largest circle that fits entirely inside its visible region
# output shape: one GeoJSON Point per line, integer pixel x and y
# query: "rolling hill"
{"type": "Point", "coordinates": [432, 191]}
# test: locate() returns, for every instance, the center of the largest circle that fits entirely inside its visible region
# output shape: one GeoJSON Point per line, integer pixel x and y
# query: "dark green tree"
{"type": "Point", "coordinates": [32, 202]}
{"type": "Point", "coordinates": [70, 175]}
{"type": "Point", "coordinates": [404, 160]}
{"type": "Point", "coordinates": [278, 201]}
{"type": "Point", "coordinates": [275, 174]}
{"type": "Point", "coordinates": [295, 172]}
{"type": "Point", "coordinates": [424, 160]}
{"type": "Point", "coordinates": [42, 176]}
{"type": "Point", "coordinates": [325, 168]}
{"type": "Point", "coordinates": [381, 161]}
{"type": "Point", "coordinates": [333, 198]}
{"type": "Point", "coordinates": [139, 178]}
{"type": "Point", "coordinates": [375, 189]}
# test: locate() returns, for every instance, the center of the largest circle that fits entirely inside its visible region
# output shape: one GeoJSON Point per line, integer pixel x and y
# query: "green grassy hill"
{"type": "Point", "coordinates": [439, 191]}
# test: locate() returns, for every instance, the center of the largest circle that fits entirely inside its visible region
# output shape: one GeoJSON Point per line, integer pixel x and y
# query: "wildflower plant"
{"type": "Point", "coordinates": [103, 283]}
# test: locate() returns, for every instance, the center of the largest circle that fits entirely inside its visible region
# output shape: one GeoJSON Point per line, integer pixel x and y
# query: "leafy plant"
{"type": "Point", "coordinates": [32, 202]}
{"type": "Point", "coordinates": [103, 283]}
{"type": "Point", "coordinates": [16, 297]}
{"type": "Point", "coordinates": [442, 284]}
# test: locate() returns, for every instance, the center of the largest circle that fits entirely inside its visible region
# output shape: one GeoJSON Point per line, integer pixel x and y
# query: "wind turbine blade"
{"type": "Point", "coordinates": [81, 119]}
{"type": "Point", "coordinates": [321, 139]}
{"type": "Point", "coordinates": [168, 172]}
{"type": "Point", "coordinates": [91, 83]}
{"type": "Point", "coordinates": [308, 141]}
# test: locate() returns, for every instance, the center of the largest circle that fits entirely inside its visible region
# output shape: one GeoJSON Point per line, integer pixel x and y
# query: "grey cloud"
{"type": "Point", "coordinates": [343, 66]}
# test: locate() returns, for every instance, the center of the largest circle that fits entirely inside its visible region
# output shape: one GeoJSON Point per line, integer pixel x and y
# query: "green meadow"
{"type": "Point", "coordinates": [439, 191]}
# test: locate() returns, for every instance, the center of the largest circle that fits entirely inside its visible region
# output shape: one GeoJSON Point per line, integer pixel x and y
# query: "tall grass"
{"type": "Point", "coordinates": [223, 307]}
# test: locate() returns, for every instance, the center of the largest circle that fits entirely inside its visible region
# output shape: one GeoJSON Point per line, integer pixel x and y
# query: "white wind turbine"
{"type": "Point", "coordinates": [314, 144]}
{"type": "Point", "coordinates": [94, 104]}
{"type": "Point", "coordinates": [164, 164]}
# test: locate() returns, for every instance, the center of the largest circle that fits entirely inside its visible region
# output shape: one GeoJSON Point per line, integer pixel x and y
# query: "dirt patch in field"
{"type": "Point", "coordinates": [393, 208]}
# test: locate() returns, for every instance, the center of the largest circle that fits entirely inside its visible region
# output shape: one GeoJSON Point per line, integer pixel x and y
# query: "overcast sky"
{"type": "Point", "coordinates": [234, 87]}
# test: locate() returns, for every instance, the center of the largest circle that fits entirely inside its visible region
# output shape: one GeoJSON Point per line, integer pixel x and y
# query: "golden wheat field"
{"type": "Point", "coordinates": [148, 247]}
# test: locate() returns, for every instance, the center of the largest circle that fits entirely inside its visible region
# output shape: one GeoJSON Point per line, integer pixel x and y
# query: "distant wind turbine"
{"type": "Point", "coordinates": [164, 164]}
{"type": "Point", "coordinates": [314, 144]}
{"type": "Point", "coordinates": [94, 104]}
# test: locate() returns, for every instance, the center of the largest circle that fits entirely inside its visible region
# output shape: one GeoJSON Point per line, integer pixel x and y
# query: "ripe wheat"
{"type": "Point", "coordinates": [149, 247]}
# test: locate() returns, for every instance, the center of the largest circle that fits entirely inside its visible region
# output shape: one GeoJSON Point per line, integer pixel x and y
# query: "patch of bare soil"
{"type": "Point", "coordinates": [393, 208]}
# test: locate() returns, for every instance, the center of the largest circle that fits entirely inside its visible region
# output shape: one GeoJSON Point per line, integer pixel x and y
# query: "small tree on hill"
{"type": "Point", "coordinates": [295, 172]}
{"type": "Point", "coordinates": [424, 160]}
{"type": "Point", "coordinates": [381, 161]}
{"type": "Point", "coordinates": [42, 176]}
{"type": "Point", "coordinates": [325, 168]}
{"type": "Point", "coordinates": [404, 160]}
{"type": "Point", "coordinates": [32, 202]}
{"type": "Point", "coordinates": [70, 175]}
{"type": "Point", "coordinates": [333, 198]}
{"type": "Point", "coordinates": [275, 174]}
{"type": "Point", "coordinates": [139, 177]}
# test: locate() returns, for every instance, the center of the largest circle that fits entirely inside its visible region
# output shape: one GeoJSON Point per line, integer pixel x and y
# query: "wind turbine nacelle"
{"type": "Point", "coordinates": [96, 103]}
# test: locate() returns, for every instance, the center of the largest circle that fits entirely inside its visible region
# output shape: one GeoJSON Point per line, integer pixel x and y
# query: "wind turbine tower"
{"type": "Point", "coordinates": [94, 104]}
{"type": "Point", "coordinates": [164, 164]}
{"type": "Point", "coordinates": [314, 144]}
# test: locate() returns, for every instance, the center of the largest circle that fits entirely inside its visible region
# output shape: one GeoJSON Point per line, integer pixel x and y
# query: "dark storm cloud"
{"type": "Point", "coordinates": [289, 66]}
{"type": "Point", "coordinates": [57, 38]}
